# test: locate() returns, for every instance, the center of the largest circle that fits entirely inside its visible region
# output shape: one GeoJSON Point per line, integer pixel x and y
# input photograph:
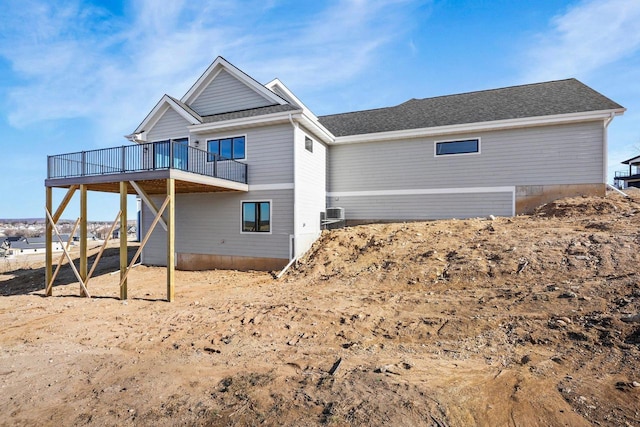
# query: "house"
{"type": "Point", "coordinates": [255, 173]}
{"type": "Point", "coordinates": [631, 177]}
{"type": "Point", "coordinates": [30, 245]}
{"type": "Point", "coordinates": [132, 232]}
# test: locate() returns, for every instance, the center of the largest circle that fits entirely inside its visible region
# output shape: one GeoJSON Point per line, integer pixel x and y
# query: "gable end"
{"type": "Point", "coordinates": [225, 93]}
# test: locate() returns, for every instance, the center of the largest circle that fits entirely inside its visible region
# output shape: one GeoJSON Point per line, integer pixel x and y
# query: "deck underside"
{"type": "Point", "coordinates": [152, 182]}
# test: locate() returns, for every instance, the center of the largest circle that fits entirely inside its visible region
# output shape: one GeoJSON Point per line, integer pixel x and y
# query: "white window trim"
{"type": "Point", "coordinates": [217, 138]}
{"type": "Point", "coordinates": [305, 144]}
{"type": "Point", "coordinates": [253, 233]}
{"type": "Point", "coordinates": [435, 147]}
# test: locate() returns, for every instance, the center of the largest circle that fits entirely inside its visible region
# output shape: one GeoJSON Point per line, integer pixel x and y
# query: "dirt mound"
{"type": "Point", "coordinates": [532, 320]}
{"type": "Point", "coordinates": [566, 247]}
{"type": "Point", "coordinates": [590, 206]}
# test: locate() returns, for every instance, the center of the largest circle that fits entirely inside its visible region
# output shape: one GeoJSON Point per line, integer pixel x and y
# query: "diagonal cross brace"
{"type": "Point", "coordinates": [66, 253]}
{"type": "Point", "coordinates": [147, 201]}
{"type": "Point", "coordinates": [53, 277]}
{"type": "Point", "coordinates": [104, 245]}
{"type": "Point", "coordinates": [146, 238]}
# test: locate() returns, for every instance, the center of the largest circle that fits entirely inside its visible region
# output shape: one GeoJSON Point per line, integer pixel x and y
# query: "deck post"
{"type": "Point", "coordinates": [123, 239]}
{"type": "Point", "coordinates": [83, 236]}
{"type": "Point", "coordinates": [171, 226]}
{"type": "Point", "coordinates": [48, 244]}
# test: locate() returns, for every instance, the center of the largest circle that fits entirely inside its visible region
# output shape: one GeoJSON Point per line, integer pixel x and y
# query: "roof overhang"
{"type": "Point", "coordinates": [139, 135]}
{"type": "Point", "coordinates": [307, 119]}
{"type": "Point", "coordinates": [245, 122]}
{"type": "Point", "coordinates": [316, 128]}
{"type": "Point", "coordinates": [602, 115]}
{"type": "Point", "coordinates": [631, 161]}
{"type": "Point", "coordinates": [267, 119]}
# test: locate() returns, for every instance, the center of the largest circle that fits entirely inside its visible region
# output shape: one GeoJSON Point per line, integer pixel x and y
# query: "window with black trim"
{"type": "Point", "coordinates": [256, 217]}
{"type": "Point", "coordinates": [308, 144]}
{"type": "Point", "coordinates": [227, 148]}
{"type": "Point", "coordinates": [466, 146]}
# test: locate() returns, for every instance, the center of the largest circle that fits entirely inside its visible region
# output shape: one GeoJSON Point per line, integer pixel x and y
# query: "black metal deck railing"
{"type": "Point", "coordinates": [145, 157]}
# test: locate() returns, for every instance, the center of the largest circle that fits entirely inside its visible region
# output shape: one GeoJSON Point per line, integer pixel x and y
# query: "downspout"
{"type": "Point", "coordinates": [295, 205]}
{"type": "Point", "coordinates": [605, 147]}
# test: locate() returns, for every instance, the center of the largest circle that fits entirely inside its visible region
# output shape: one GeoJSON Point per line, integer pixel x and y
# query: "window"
{"type": "Point", "coordinates": [458, 147]}
{"type": "Point", "coordinates": [227, 148]}
{"type": "Point", "coordinates": [308, 144]}
{"type": "Point", "coordinates": [256, 217]}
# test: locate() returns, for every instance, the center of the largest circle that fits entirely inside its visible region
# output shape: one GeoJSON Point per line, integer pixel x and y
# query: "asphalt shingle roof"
{"type": "Point", "coordinates": [532, 100]}
{"type": "Point", "coordinates": [253, 112]}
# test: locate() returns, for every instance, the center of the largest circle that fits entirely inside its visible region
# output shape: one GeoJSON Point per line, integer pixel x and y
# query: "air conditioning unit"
{"type": "Point", "coordinates": [335, 214]}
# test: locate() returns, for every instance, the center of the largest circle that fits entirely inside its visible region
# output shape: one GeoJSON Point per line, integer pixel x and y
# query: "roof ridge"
{"type": "Point", "coordinates": [458, 94]}
{"type": "Point", "coordinates": [497, 89]}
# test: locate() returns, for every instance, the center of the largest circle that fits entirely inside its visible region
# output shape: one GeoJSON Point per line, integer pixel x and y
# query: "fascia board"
{"type": "Point", "coordinates": [219, 64]}
{"type": "Point", "coordinates": [308, 118]}
{"type": "Point", "coordinates": [282, 116]}
{"type": "Point", "coordinates": [314, 126]}
{"type": "Point", "coordinates": [482, 126]}
{"type": "Point", "coordinates": [151, 117]}
{"type": "Point", "coordinates": [161, 107]}
{"type": "Point", "coordinates": [285, 89]}
{"type": "Point", "coordinates": [197, 86]}
{"type": "Point", "coordinates": [184, 113]}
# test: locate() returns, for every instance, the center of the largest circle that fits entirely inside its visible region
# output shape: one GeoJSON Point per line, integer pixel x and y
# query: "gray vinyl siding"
{"type": "Point", "coordinates": [225, 93]}
{"type": "Point", "coordinates": [269, 152]}
{"type": "Point", "coordinates": [562, 154]}
{"type": "Point", "coordinates": [425, 206]}
{"type": "Point", "coordinates": [170, 125]}
{"type": "Point", "coordinates": [211, 223]}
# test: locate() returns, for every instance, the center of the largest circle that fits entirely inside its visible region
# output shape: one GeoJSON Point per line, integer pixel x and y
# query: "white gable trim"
{"type": "Point", "coordinates": [308, 119]}
{"type": "Point", "coordinates": [291, 97]}
{"type": "Point", "coordinates": [479, 126]}
{"type": "Point", "coordinates": [158, 111]}
{"type": "Point", "coordinates": [214, 69]}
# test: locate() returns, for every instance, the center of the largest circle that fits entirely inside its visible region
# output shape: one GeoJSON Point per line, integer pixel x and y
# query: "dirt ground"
{"type": "Point", "coordinates": [525, 321]}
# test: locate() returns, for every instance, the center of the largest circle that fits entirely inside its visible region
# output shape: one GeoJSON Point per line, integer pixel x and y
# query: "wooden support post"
{"type": "Point", "coordinates": [123, 240]}
{"type": "Point", "coordinates": [48, 244]}
{"type": "Point", "coordinates": [145, 240]}
{"type": "Point", "coordinates": [171, 247]}
{"type": "Point", "coordinates": [83, 236]}
{"type": "Point", "coordinates": [66, 253]}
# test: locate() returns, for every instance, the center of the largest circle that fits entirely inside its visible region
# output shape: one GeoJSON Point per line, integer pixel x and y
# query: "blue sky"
{"type": "Point", "coordinates": [78, 75]}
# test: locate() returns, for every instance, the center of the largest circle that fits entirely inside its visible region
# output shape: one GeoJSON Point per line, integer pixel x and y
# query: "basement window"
{"type": "Point", "coordinates": [256, 217]}
{"type": "Point", "coordinates": [308, 144]}
{"type": "Point", "coordinates": [467, 146]}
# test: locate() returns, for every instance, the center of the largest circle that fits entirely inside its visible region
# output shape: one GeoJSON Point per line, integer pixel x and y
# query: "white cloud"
{"type": "Point", "coordinates": [587, 36]}
{"type": "Point", "coordinates": [77, 60]}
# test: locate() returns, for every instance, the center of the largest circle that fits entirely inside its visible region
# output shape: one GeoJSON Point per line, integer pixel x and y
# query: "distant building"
{"type": "Point", "coordinates": [630, 178]}
{"type": "Point", "coordinates": [34, 245]}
